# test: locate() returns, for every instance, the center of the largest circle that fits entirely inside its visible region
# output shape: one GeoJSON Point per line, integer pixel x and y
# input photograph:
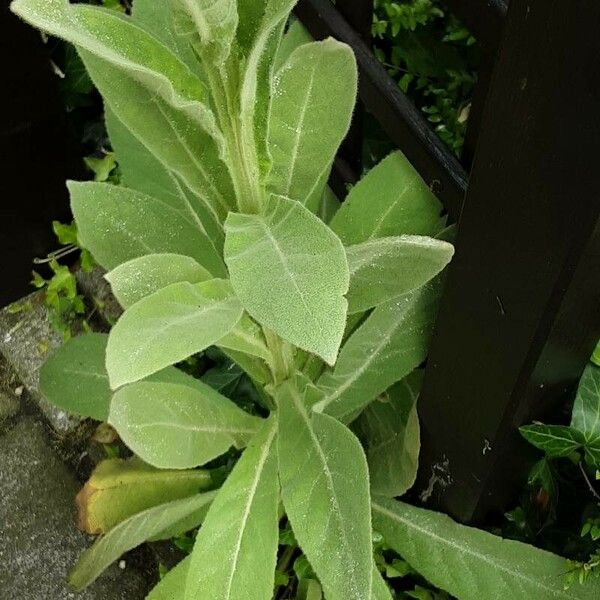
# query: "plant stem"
{"type": "Point", "coordinates": [589, 483]}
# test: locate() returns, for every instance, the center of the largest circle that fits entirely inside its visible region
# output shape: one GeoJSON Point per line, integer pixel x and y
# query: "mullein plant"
{"type": "Point", "coordinates": [224, 233]}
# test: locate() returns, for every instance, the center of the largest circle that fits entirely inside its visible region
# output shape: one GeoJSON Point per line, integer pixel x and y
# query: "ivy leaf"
{"type": "Point", "coordinates": [74, 378]}
{"type": "Point", "coordinates": [390, 200]}
{"type": "Point", "coordinates": [235, 551]}
{"type": "Point", "coordinates": [169, 326]}
{"type": "Point", "coordinates": [157, 522]}
{"type": "Point", "coordinates": [389, 431]}
{"type": "Point", "coordinates": [172, 585]}
{"type": "Point", "coordinates": [469, 563]}
{"type": "Point", "coordinates": [306, 128]}
{"type": "Point", "coordinates": [554, 440]}
{"type": "Point", "coordinates": [325, 488]}
{"type": "Point", "coordinates": [140, 277]}
{"type": "Point", "coordinates": [117, 224]}
{"type": "Point", "coordinates": [290, 273]}
{"type": "Point", "coordinates": [173, 426]}
{"type": "Point", "coordinates": [385, 268]}
{"type": "Point", "coordinates": [391, 343]}
{"type": "Point", "coordinates": [118, 489]}
{"type": "Point", "coordinates": [586, 413]}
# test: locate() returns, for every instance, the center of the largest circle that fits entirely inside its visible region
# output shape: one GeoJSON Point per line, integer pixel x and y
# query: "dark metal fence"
{"type": "Point", "coordinates": [520, 314]}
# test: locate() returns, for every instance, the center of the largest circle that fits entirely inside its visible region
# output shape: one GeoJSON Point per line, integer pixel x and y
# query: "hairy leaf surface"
{"type": "Point", "coordinates": [154, 523]}
{"type": "Point", "coordinates": [389, 431]}
{"type": "Point", "coordinates": [172, 585]}
{"type": "Point", "coordinates": [325, 488]}
{"type": "Point", "coordinates": [390, 200]}
{"type": "Point", "coordinates": [167, 327]}
{"type": "Point", "coordinates": [391, 343]}
{"type": "Point", "coordinates": [290, 273]}
{"type": "Point", "coordinates": [118, 224]}
{"type": "Point", "coordinates": [235, 551]}
{"type": "Point", "coordinates": [306, 127]}
{"type": "Point", "coordinates": [173, 426]}
{"type": "Point", "coordinates": [385, 268]}
{"type": "Point", "coordinates": [140, 277]}
{"type": "Point", "coordinates": [469, 563]}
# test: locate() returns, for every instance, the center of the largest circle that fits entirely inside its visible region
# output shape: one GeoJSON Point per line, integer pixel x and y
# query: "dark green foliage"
{"type": "Point", "coordinates": [434, 59]}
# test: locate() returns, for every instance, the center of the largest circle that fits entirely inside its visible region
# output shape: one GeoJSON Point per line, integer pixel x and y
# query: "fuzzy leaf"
{"type": "Point", "coordinates": [389, 431]}
{"type": "Point", "coordinates": [390, 344]}
{"type": "Point", "coordinates": [390, 200]}
{"type": "Point", "coordinates": [117, 224]}
{"type": "Point", "coordinates": [74, 378]}
{"type": "Point", "coordinates": [153, 523]}
{"type": "Point", "coordinates": [169, 326]}
{"type": "Point", "coordinates": [235, 551]}
{"type": "Point", "coordinates": [290, 273]}
{"type": "Point", "coordinates": [297, 35]}
{"type": "Point", "coordinates": [469, 563]}
{"type": "Point", "coordinates": [140, 277]}
{"type": "Point", "coordinates": [306, 127]}
{"type": "Point", "coordinates": [173, 426]}
{"type": "Point", "coordinates": [209, 26]}
{"type": "Point", "coordinates": [325, 489]}
{"type": "Point", "coordinates": [554, 440]}
{"type": "Point", "coordinates": [118, 489]}
{"type": "Point", "coordinates": [385, 268]}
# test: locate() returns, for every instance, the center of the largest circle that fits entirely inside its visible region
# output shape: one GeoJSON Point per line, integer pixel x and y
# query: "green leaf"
{"type": "Point", "coordinates": [586, 410]}
{"type": "Point", "coordinates": [74, 378]}
{"type": "Point", "coordinates": [325, 489]}
{"type": "Point", "coordinates": [391, 200]}
{"type": "Point", "coordinates": [140, 277]}
{"type": "Point", "coordinates": [380, 589]}
{"type": "Point", "coordinates": [209, 26]}
{"type": "Point", "coordinates": [118, 489]}
{"type": "Point", "coordinates": [390, 344]}
{"type": "Point", "coordinates": [297, 35]}
{"type": "Point", "coordinates": [173, 426]}
{"type": "Point", "coordinates": [389, 431]}
{"type": "Point", "coordinates": [144, 169]}
{"type": "Point", "coordinates": [290, 273]}
{"type": "Point", "coordinates": [247, 337]}
{"type": "Point", "coordinates": [260, 29]}
{"type": "Point", "coordinates": [154, 523]}
{"type": "Point", "coordinates": [306, 127]}
{"type": "Point", "coordinates": [235, 552]}
{"type": "Point", "coordinates": [385, 268]}
{"type": "Point", "coordinates": [469, 563]}
{"type": "Point", "coordinates": [169, 326]}
{"type": "Point", "coordinates": [172, 585]}
{"type": "Point", "coordinates": [554, 440]}
{"type": "Point", "coordinates": [596, 356]}
{"type": "Point", "coordinates": [118, 224]}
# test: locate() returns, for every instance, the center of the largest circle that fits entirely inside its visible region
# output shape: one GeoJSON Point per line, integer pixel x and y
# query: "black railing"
{"type": "Point", "coordinates": [521, 309]}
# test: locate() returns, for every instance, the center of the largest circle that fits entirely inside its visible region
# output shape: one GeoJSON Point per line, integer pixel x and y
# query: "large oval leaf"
{"type": "Point", "coordinates": [74, 378]}
{"type": "Point", "coordinates": [385, 268]}
{"type": "Point", "coordinates": [391, 343]}
{"type": "Point", "coordinates": [325, 488]}
{"type": "Point", "coordinates": [235, 551]}
{"type": "Point", "coordinates": [391, 199]}
{"type": "Point", "coordinates": [118, 224]}
{"type": "Point", "coordinates": [306, 127]}
{"type": "Point", "coordinates": [154, 523]}
{"type": "Point", "coordinates": [469, 563]}
{"type": "Point", "coordinates": [290, 272]}
{"type": "Point", "coordinates": [167, 327]}
{"type": "Point", "coordinates": [140, 277]}
{"type": "Point", "coordinates": [174, 426]}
